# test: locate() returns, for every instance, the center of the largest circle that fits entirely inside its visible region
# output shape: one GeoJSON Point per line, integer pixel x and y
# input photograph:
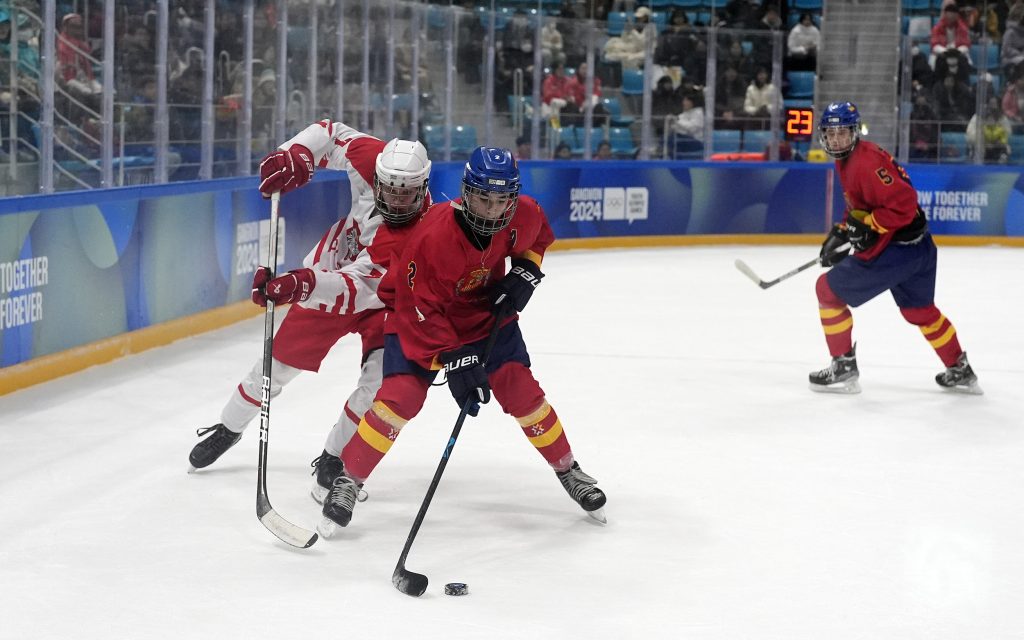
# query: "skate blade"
{"type": "Point", "coordinates": [970, 389]}
{"type": "Point", "coordinates": [191, 469]}
{"type": "Point", "coordinates": [318, 493]}
{"type": "Point", "coordinates": [329, 529]}
{"type": "Point", "coordinates": [598, 514]}
{"type": "Point", "coordinates": [848, 387]}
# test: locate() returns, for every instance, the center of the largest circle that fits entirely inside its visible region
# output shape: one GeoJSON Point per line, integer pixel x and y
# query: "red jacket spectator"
{"type": "Point", "coordinates": [71, 61]}
{"type": "Point", "coordinates": [950, 21]}
{"type": "Point", "coordinates": [556, 85]}
{"type": "Point", "coordinates": [578, 85]}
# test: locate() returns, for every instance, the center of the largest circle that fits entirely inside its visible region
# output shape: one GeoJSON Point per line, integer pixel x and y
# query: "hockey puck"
{"type": "Point", "coordinates": [456, 589]}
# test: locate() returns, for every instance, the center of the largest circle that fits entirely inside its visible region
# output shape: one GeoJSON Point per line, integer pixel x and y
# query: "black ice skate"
{"type": "Point", "coordinates": [580, 488]}
{"type": "Point", "coordinates": [207, 451]}
{"type": "Point", "coordinates": [839, 377]}
{"type": "Point", "coordinates": [338, 505]}
{"type": "Point", "coordinates": [326, 468]}
{"type": "Point", "coordinates": [960, 377]}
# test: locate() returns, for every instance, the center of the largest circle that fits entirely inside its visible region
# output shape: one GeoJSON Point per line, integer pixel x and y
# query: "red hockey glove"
{"type": "Point", "coordinates": [466, 377]}
{"type": "Point", "coordinates": [285, 170]}
{"type": "Point", "coordinates": [836, 238]}
{"type": "Point", "coordinates": [294, 286]}
{"type": "Point", "coordinates": [514, 291]}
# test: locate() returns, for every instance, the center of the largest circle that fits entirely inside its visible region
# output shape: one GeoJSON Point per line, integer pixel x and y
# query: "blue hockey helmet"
{"type": "Point", "coordinates": [839, 115]}
{"type": "Point", "coordinates": [490, 190]}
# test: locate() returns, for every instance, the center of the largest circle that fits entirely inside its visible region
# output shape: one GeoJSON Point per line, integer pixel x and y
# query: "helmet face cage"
{"type": "Point", "coordinates": [490, 190]}
{"type": "Point", "coordinates": [398, 204]}
{"type": "Point", "coordinates": [400, 181]}
{"type": "Point", "coordinates": [842, 115]}
{"type": "Point", "coordinates": [484, 222]}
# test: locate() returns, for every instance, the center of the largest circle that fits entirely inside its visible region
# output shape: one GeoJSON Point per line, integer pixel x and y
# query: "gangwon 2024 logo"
{"type": "Point", "coordinates": [587, 204]}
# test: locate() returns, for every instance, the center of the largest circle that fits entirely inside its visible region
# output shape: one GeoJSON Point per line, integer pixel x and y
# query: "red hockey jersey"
{"type": "Point", "coordinates": [442, 281]}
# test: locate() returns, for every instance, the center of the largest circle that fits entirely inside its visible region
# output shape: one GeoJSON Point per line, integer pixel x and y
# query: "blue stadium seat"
{"type": "Point", "coordinates": [801, 84]}
{"type": "Point", "coordinates": [686, 148]}
{"type": "Point", "coordinates": [660, 20]}
{"type": "Point", "coordinates": [916, 5]}
{"type": "Point", "coordinates": [616, 22]}
{"type": "Point", "coordinates": [632, 82]}
{"type": "Point", "coordinates": [756, 141]}
{"type": "Point", "coordinates": [464, 139]}
{"type": "Point", "coordinates": [1017, 148]}
{"type": "Point", "coordinates": [660, 4]}
{"type": "Point", "coordinates": [621, 140]}
{"type": "Point", "coordinates": [725, 141]}
{"type": "Point", "coordinates": [991, 53]}
{"type": "Point", "coordinates": [614, 109]}
{"type": "Point", "coordinates": [952, 146]}
{"type": "Point", "coordinates": [807, 5]}
{"type": "Point", "coordinates": [688, 4]}
{"type": "Point", "coordinates": [433, 137]}
{"type": "Point", "coordinates": [797, 103]}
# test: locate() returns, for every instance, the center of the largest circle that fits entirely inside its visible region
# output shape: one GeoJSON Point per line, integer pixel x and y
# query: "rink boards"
{"type": "Point", "coordinates": [89, 276]}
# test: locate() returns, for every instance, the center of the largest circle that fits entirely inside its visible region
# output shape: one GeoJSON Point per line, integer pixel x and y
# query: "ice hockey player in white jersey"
{"type": "Point", "coordinates": [335, 293]}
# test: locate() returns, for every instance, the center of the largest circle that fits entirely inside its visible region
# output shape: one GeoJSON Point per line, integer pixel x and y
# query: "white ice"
{"type": "Point", "coordinates": [740, 504]}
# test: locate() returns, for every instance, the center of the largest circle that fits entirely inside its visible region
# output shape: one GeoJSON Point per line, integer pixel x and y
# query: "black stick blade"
{"type": "Point", "coordinates": [409, 582]}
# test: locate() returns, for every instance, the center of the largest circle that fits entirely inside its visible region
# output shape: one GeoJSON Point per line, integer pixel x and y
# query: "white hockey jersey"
{"type": "Point", "coordinates": [347, 275]}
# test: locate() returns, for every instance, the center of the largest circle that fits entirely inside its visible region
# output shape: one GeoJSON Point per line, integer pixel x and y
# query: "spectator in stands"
{"type": "Point", "coordinates": [1013, 103]}
{"type": "Point", "coordinates": [574, 34]}
{"type": "Point", "coordinates": [552, 44]}
{"type": "Point", "coordinates": [950, 32]}
{"type": "Point", "coordinates": [954, 103]}
{"type": "Point", "coordinates": [770, 22]}
{"type": "Point", "coordinates": [730, 96]}
{"type": "Point", "coordinates": [74, 68]}
{"type": "Point", "coordinates": [759, 102]}
{"type": "Point", "coordinates": [995, 132]}
{"type": "Point", "coordinates": [470, 41]}
{"type": "Point", "coordinates": [577, 88]}
{"type": "Point", "coordinates": [563, 151]}
{"type": "Point", "coordinates": [743, 14]}
{"type": "Point", "coordinates": [802, 45]}
{"type": "Point", "coordinates": [517, 40]}
{"type": "Point", "coordinates": [676, 49]}
{"type": "Point", "coordinates": [555, 95]}
{"type": "Point", "coordinates": [524, 148]}
{"type": "Point", "coordinates": [629, 47]}
{"type": "Point", "coordinates": [690, 122]}
{"type": "Point", "coordinates": [924, 128]}
{"type": "Point", "coordinates": [604, 151]}
{"type": "Point", "coordinates": [735, 57]}
{"type": "Point", "coordinates": [665, 102]}
{"type": "Point", "coordinates": [1011, 52]}
{"type": "Point", "coordinates": [28, 82]}
{"type": "Point", "coordinates": [953, 63]}
{"type": "Point", "coordinates": [921, 74]}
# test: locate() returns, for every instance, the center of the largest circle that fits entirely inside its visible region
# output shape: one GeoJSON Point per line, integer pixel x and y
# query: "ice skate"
{"type": "Point", "coordinates": [960, 377]}
{"type": "Point", "coordinates": [839, 377]}
{"type": "Point", "coordinates": [326, 468]}
{"type": "Point", "coordinates": [207, 451]}
{"type": "Point", "coordinates": [338, 505]}
{"type": "Point", "coordinates": [580, 488]}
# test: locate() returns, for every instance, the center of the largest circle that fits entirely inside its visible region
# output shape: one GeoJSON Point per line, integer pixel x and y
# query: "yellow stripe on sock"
{"type": "Point", "coordinates": [832, 329]}
{"type": "Point", "coordinates": [537, 416]}
{"type": "Point", "coordinates": [385, 413]}
{"type": "Point", "coordinates": [549, 436]}
{"type": "Point", "coordinates": [373, 437]}
{"type": "Point", "coordinates": [944, 338]}
{"type": "Point", "coordinates": [830, 312]}
{"type": "Point", "coordinates": [933, 327]}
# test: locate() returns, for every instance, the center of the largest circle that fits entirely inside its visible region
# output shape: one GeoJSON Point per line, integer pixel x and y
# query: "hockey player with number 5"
{"type": "Point", "coordinates": [892, 251]}
{"type": "Point", "coordinates": [451, 287]}
{"type": "Point", "coordinates": [336, 291]}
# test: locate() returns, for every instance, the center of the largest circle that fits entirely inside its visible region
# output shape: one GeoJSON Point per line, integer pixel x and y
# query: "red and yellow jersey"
{"type": "Point", "coordinates": [873, 182]}
{"type": "Point", "coordinates": [443, 281]}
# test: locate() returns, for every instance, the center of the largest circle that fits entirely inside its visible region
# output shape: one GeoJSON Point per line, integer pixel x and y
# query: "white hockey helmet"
{"type": "Point", "coordinates": [400, 180]}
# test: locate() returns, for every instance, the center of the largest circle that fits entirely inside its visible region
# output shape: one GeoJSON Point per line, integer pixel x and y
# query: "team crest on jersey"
{"type": "Point", "coordinates": [352, 246]}
{"type": "Point", "coordinates": [476, 279]}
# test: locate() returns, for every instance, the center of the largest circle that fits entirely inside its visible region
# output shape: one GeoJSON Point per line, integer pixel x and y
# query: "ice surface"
{"type": "Point", "coordinates": [740, 504]}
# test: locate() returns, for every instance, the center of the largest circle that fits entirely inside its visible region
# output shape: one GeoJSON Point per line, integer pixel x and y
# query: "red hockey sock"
{"type": "Point", "coordinates": [937, 330]}
{"type": "Point", "coordinates": [544, 430]}
{"type": "Point", "coordinates": [399, 399]}
{"type": "Point", "coordinates": [836, 319]}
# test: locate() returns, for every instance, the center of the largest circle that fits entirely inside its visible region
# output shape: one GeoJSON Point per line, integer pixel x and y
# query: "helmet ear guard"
{"type": "Point", "coordinates": [400, 180]}
{"type": "Point", "coordinates": [839, 115]}
{"type": "Point", "coordinates": [491, 177]}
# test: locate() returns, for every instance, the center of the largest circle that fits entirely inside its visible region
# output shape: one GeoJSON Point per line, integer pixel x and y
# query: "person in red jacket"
{"type": "Point", "coordinates": [451, 288]}
{"type": "Point", "coordinates": [950, 32]}
{"type": "Point", "coordinates": [892, 251]}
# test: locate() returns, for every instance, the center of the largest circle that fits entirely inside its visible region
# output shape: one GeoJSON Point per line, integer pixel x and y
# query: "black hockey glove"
{"type": "Point", "coordinates": [514, 290]}
{"type": "Point", "coordinates": [466, 377]}
{"type": "Point", "coordinates": [862, 236]}
{"type": "Point", "coordinates": [836, 238]}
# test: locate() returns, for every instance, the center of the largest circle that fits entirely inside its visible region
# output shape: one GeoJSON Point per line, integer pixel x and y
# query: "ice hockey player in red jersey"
{"type": "Point", "coordinates": [336, 291]}
{"type": "Point", "coordinates": [892, 251]}
{"type": "Point", "coordinates": [451, 286]}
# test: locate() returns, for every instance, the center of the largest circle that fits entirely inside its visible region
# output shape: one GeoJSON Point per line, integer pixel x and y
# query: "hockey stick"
{"type": "Point", "coordinates": [409, 582]}
{"type": "Point", "coordinates": [286, 531]}
{"type": "Point", "coordinates": [747, 271]}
